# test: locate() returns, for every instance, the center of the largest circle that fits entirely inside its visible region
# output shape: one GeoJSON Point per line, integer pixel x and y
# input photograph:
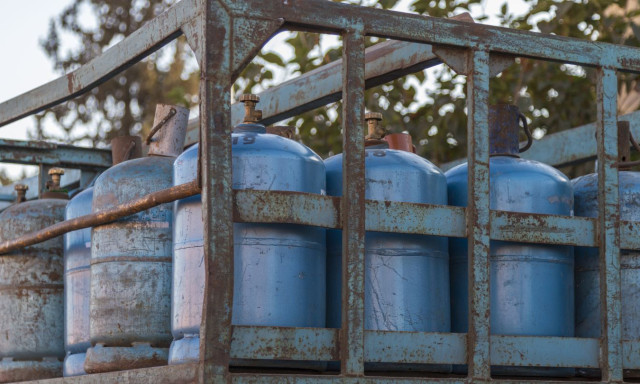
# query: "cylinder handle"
{"type": "Point", "coordinates": [527, 132]}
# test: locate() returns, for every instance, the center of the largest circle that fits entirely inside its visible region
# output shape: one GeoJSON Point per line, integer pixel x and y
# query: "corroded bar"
{"type": "Point", "coordinates": [478, 219]}
{"type": "Point", "coordinates": [147, 39]}
{"type": "Point", "coordinates": [352, 204]}
{"type": "Point", "coordinates": [217, 197]}
{"type": "Point", "coordinates": [320, 15]}
{"type": "Point", "coordinates": [608, 225]}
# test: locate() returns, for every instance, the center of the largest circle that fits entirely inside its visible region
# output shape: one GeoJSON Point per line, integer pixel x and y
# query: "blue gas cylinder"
{"type": "Point", "coordinates": [406, 276]}
{"type": "Point", "coordinates": [130, 289]}
{"type": "Point", "coordinates": [31, 288]}
{"type": "Point", "coordinates": [77, 262]}
{"type": "Point", "coordinates": [587, 270]}
{"type": "Point", "coordinates": [279, 269]}
{"type": "Point", "coordinates": [531, 284]}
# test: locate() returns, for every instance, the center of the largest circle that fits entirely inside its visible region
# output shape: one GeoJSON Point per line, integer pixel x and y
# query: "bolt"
{"type": "Point", "coordinates": [251, 114]}
{"type": "Point", "coordinates": [375, 130]}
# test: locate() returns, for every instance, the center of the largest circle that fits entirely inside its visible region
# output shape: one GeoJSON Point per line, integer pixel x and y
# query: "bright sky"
{"type": "Point", "coordinates": [24, 65]}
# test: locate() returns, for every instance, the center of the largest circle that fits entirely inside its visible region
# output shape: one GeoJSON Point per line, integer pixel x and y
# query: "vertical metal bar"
{"type": "Point", "coordinates": [608, 226]}
{"type": "Point", "coordinates": [217, 197]}
{"type": "Point", "coordinates": [43, 176]}
{"type": "Point", "coordinates": [352, 204]}
{"type": "Point", "coordinates": [478, 223]}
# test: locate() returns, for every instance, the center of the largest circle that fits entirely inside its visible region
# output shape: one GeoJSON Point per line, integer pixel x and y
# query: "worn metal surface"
{"type": "Point", "coordinates": [59, 155]}
{"type": "Point", "coordinates": [222, 49]}
{"type": "Point", "coordinates": [352, 203]}
{"type": "Point", "coordinates": [396, 265]}
{"type": "Point", "coordinates": [77, 262]}
{"type": "Point", "coordinates": [280, 268]}
{"type": "Point", "coordinates": [130, 295]}
{"type": "Point", "coordinates": [31, 295]}
{"type": "Point", "coordinates": [608, 225]}
{"type": "Point", "coordinates": [478, 219]}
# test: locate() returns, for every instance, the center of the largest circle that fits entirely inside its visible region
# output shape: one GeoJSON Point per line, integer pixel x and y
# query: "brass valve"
{"type": "Point", "coordinates": [56, 174]}
{"type": "Point", "coordinates": [251, 114]}
{"type": "Point", "coordinates": [21, 192]}
{"type": "Point", "coordinates": [375, 130]}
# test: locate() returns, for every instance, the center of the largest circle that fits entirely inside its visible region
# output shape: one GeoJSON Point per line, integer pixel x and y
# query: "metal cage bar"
{"type": "Point", "coordinates": [608, 225]}
{"type": "Point", "coordinates": [478, 222]}
{"type": "Point", "coordinates": [353, 204]}
{"type": "Point", "coordinates": [213, 31]}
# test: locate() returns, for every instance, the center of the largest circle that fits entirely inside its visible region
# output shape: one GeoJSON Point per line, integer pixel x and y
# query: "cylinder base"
{"type": "Point", "coordinates": [108, 359]}
{"type": "Point", "coordinates": [74, 365]}
{"type": "Point", "coordinates": [25, 370]}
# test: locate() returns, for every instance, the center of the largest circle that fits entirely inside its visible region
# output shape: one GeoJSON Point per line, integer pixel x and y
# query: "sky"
{"type": "Point", "coordinates": [24, 23]}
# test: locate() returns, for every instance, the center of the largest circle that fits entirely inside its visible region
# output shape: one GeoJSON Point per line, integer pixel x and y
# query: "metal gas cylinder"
{"type": "Point", "coordinates": [130, 301]}
{"type": "Point", "coordinates": [587, 259]}
{"type": "Point", "coordinates": [406, 276]}
{"type": "Point", "coordinates": [77, 261]}
{"type": "Point", "coordinates": [31, 288]}
{"type": "Point", "coordinates": [279, 269]}
{"type": "Point", "coordinates": [531, 284]}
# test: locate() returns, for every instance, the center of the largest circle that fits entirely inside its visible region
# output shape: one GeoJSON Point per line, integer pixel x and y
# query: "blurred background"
{"type": "Point", "coordinates": [44, 39]}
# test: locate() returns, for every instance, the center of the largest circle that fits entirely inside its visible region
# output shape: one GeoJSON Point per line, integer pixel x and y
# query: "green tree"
{"type": "Point", "coordinates": [126, 103]}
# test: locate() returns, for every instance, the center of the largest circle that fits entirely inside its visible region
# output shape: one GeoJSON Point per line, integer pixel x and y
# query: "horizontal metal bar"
{"type": "Point", "coordinates": [567, 147]}
{"type": "Point", "coordinates": [319, 15]}
{"type": "Point", "coordinates": [169, 374]}
{"type": "Point", "coordinates": [415, 347]}
{"type": "Point", "coordinates": [631, 354]}
{"type": "Point", "coordinates": [544, 351]}
{"type": "Point", "coordinates": [439, 220]}
{"type": "Point", "coordinates": [286, 207]}
{"type": "Point", "coordinates": [383, 62]}
{"type": "Point", "coordinates": [426, 219]}
{"type": "Point", "coordinates": [547, 229]}
{"type": "Point", "coordinates": [150, 37]}
{"type": "Point", "coordinates": [280, 343]}
{"type": "Point", "coordinates": [60, 155]}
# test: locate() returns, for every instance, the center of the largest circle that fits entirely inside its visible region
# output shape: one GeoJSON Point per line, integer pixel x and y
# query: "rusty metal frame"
{"type": "Point", "coordinates": [226, 35]}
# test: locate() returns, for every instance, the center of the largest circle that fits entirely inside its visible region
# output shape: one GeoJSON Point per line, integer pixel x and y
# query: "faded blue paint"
{"type": "Point", "coordinates": [532, 290]}
{"type": "Point", "coordinates": [131, 262]}
{"type": "Point", "coordinates": [588, 309]}
{"type": "Point", "coordinates": [77, 263]}
{"type": "Point", "coordinates": [279, 272]}
{"type": "Point", "coordinates": [31, 295]}
{"type": "Point", "coordinates": [406, 276]}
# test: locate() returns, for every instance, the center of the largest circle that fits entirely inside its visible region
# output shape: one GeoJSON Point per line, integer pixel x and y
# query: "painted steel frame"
{"type": "Point", "coordinates": [226, 35]}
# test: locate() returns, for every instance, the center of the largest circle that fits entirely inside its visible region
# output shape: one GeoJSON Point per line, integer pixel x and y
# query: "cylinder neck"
{"type": "Point", "coordinates": [125, 148]}
{"type": "Point", "coordinates": [171, 123]}
{"type": "Point", "coordinates": [503, 130]}
{"type": "Point", "coordinates": [401, 142]}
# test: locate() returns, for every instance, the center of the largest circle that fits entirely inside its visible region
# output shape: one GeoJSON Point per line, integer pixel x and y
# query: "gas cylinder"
{"type": "Point", "coordinates": [130, 293]}
{"type": "Point", "coordinates": [31, 288]}
{"type": "Point", "coordinates": [531, 284]}
{"type": "Point", "coordinates": [406, 276]}
{"type": "Point", "coordinates": [77, 262]}
{"type": "Point", "coordinates": [587, 259]}
{"type": "Point", "coordinates": [279, 269]}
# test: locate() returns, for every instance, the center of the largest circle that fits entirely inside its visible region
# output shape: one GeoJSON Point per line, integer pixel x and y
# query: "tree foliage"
{"type": "Point", "coordinates": [430, 105]}
{"type": "Point", "coordinates": [126, 103]}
